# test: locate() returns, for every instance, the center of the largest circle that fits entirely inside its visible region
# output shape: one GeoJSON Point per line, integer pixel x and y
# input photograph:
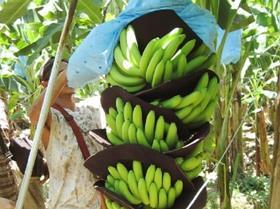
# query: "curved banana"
{"type": "Point", "coordinates": [153, 195]}
{"type": "Point", "coordinates": [132, 134]}
{"type": "Point", "coordinates": [158, 74]}
{"type": "Point", "coordinates": [141, 138]}
{"type": "Point", "coordinates": [150, 174]}
{"type": "Point", "coordinates": [166, 181]}
{"type": "Point", "coordinates": [127, 194]}
{"type": "Point", "coordinates": [143, 191]}
{"type": "Point", "coordinates": [168, 71]}
{"type": "Point", "coordinates": [137, 169]}
{"type": "Point", "coordinates": [147, 55]}
{"type": "Point", "coordinates": [159, 130]}
{"type": "Point", "coordinates": [137, 116]}
{"type": "Point", "coordinates": [127, 112]}
{"type": "Point", "coordinates": [156, 58]}
{"type": "Point", "coordinates": [158, 177]}
{"type": "Point", "coordinates": [172, 136]}
{"type": "Point", "coordinates": [162, 199]}
{"type": "Point", "coordinates": [122, 171]}
{"type": "Point", "coordinates": [179, 186]}
{"type": "Point", "coordinates": [195, 64]}
{"type": "Point", "coordinates": [172, 102]}
{"type": "Point", "coordinates": [132, 184]}
{"type": "Point", "coordinates": [150, 125]}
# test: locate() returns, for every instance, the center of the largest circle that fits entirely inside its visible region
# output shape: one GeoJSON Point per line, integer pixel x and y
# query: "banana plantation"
{"type": "Point", "coordinates": [187, 92]}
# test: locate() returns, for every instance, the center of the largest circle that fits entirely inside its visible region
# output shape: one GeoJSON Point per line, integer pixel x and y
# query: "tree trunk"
{"type": "Point", "coordinates": [275, 182]}
{"type": "Point", "coordinates": [237, 146]}
{"type": "Point", "coordinates": [265, 165]}
{"type": "Point", "coordinates": [258, 149]}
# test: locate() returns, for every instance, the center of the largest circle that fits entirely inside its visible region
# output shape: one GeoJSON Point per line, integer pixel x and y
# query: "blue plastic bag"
{"type": "Point", "coordinates": [94, 56]}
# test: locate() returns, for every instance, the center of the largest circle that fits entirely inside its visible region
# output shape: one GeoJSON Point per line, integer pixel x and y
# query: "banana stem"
{"type": "Point", "coordinates": [45, 106]}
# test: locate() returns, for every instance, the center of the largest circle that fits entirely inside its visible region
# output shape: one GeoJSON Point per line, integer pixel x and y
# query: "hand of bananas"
{"type": "Point", "coordinates": [196, 107]}
{"type": "Point", "coordinates": [126, 125]}
{"type": "Point", "coordinates": [191, 165]}
{"type": "Point", "coordinates": [161, 60]}
{"type": "Point", "coordinates": [152, 188]}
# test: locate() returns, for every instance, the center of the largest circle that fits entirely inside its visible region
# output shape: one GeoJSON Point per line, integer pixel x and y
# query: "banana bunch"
{"type": "Point", "coordinates": [126, 125]}
{"type": "Point", "coordinates": [196, 107]}
{"type": "Point", "coordinates": [192, 164]}
{"type": "Point", "coordinates": [125, 68]}
{"type": "Point", "coordinates": [152, 188]}
{"type": "Point", "coordinates": [161, 60]}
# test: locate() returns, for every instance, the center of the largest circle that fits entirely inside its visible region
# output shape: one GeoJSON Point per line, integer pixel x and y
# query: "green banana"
{"type": "Point", "coordinates": [115, 140]}
{"type": "Point", "coordinates": [127, 194]}
{"type": "Point", "coordinates": [171, 197]}
{"type": "Point", "coordinates": [132, 134]}
{"type": "Point", "coordinates": [158, 74]}
{"type": "Point", "coordinates": [113, 112]}
{"type": "Point", "coordinates": [134, 53]}
{"type": "Point", "coordinates": [185, 50]}
{"type": "Point", "coordinates": [190, 163]}
{"type": "Point", "coordinates": [168, 71]}
{"type": "Point", "coordinates": [119, 105]}
{"type": "Point", "coordinates": [156, 58]}
{"type": "Point", "coordinates": [141, 138]}
{"type": "Point", "coordinates": [212, 59]}
{"type": "Point", "coordinates": [108, 204]}
{"type": "Point", "coordinates": [162, 199]}
{"type": "Point", "coordinates": [167, 38]}
{"type": "Point", "coordinates": [163, 146]}
{"type": "Point", "coordinates": [116, 205]}
{"type": "Point", "coordinates": [201, 50]}
{"type": "Point", "coordinates": [127, 112]}
{"type": "Point", "coordinates": [123, 43]}
{"type": "Point", "coordinates": [111, 123]}
{"type": "Point", "coordinates": [196, 111]}
{"type": "Point", "coordinates": [203, 82]}
{"type": "Point", "coordinates": [158, 177]}
{"type": "Point", "coordinates": [172, 102]}
{"type": "Point", "coordinates": [159, 131]}
{"type": "Point", "coordinates": [119, 123]}
{"type": "Point", "coordinates": [189, 99]}
{"type": "Point", "coordinates": [178, 187]}
{"type": "Point", "coordinates": [116, 187]}
{"type": "Point", "coordinates": [166, 181]}
{"type": "Point", "coordinates": [172, 46]}
{"type": "Point", "coordinates": [143, 191]}
{"type": "Point", "coordinates": [172, 136]}
{"type": "Point", "coordinates": [156, 145]}
{"type": "Point", "coordinates": [153, 195]}
{"type": "Point", "coordinates": [125, 128]}
{"type": "Point", "coordinates": [150, 174]}
{"type": "Point", "coordinates": [132, 184]}
{"type": "Point", "coordinates": [147, 55]}
{"type": "Point", "coordinates": [110, 179]}
{"type": "Point", "coordinates": [122, 171]}
{"type": "Point", "coordinates": [195, 64]}
{"type": "Point", "coordinates": [209, 110]}
{"type": "Point", "coordinates": [182, 113]}
{"type": "Point", "coordinates": [121, 61]}
{"type": "Point", "coordinates": [181, 66]}
{"type": "Point", "coordinates": [137, 169]}
{"type": "Point", "coordinates": [150, 125]}
{"type": "Point", "coordinates": [197, 150]}
{"type": "Point", "coordinates": [124, 79]}
{"type": "Point", "coordinates": [179, 160]}
{"type": "Point", "coordinates": [137, 116]}
{"type": "Point", "coordinates": [130, 89]}
{"type": "Point", "coordinates": [114, 172]}
{"type": "Point", "coordinates": [194, 173]}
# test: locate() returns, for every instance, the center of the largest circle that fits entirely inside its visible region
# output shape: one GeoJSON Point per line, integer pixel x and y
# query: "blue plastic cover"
{"type": "Point", "coordinates": [94, 56]}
